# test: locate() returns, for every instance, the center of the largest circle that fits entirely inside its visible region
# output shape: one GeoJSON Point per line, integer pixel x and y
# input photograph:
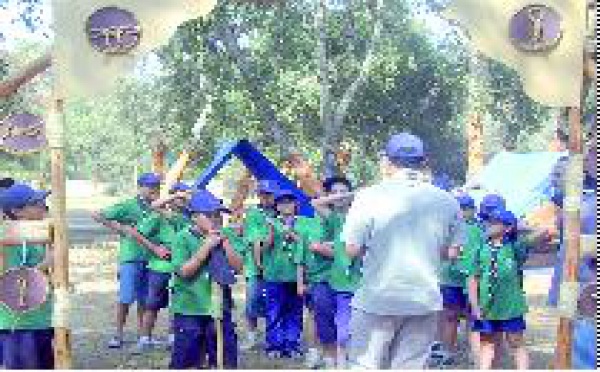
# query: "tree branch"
{"type": "Point", "coordinates": [12, 84]}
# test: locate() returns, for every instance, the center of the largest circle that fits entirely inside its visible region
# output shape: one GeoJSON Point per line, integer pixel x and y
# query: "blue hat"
{"type": "Point", "coordinates": [179, 186]}
{"type": "Point", "coordinates": [465, 201]}
{"type": "Point", "coordinates": [149, 180]}
{"type": "Point", "coordinates": [285, 194]}
{"type": "Point", "coordinates": [20, 195]}
{"type": "Point", "coordinates": [404, 146]}
{"type": "Point", "coordinates": [443, 182]}
{"type": "Point", "coordinates": [491, 202]}
{"type": "Point", "coordinates": [268, 186]}
{"type": "Point", "coordinates": [503, 216]}
{"type": "Point", "coordinates": [203, 201]}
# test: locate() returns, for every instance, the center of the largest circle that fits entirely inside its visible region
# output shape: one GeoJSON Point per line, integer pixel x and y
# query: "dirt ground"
{"type": "Point", "coordinates": [93, 272]}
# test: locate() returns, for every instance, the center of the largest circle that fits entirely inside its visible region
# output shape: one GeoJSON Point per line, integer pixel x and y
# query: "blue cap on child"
{"type": "Point", "coordinates": [20, 195]}
{"type": "Point", "coordinates": [152, 180]}
{"type": "Point", "coordinates": [203, 201]}
{"type": "Point", "coordinates": [285, 195]}
{"type": "Point", "coordinates": [465, 201]}
{"type": "Point", "coordinates": [268, 187]}
{"type": "Point", "coordinates": [179, 187]}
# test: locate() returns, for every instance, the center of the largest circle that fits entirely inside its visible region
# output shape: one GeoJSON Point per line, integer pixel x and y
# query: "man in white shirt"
{"type": "Point", "coordinates": [402, 227]}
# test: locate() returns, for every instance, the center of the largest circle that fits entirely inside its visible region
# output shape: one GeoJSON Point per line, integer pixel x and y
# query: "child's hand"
{"type": "Point", "coordinates": [162, 252]}
{"type": "Point", "coordinates": [315, 247]}
{"type": "Point", "coordinates": [477, 313]}
{"type": "Point", "coordinates": [453, 252]}
{"type": "Point", "coordinates": [214, 239]}
{"type": "Point", "coordinates": [292, 237]}
{"type": "Point", "coordinates": [301, 289]}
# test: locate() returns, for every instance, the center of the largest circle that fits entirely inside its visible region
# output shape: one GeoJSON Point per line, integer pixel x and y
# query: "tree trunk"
{"type": "Point", "coordinates": [475, 132]}
{"type": "Point", "coordinates": [333, 119]}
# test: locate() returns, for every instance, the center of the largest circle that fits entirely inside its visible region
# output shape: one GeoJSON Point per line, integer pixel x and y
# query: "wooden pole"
{"type": "Point", "coordinates": [241, 194]}
{"type": "Point", "coordinates": [159, 152]}
{"type": "Point", "coordinates": [572, 209]}
{"type": "Point", "coordinates": [175, 173]}
{"type": "Point", "coordinates": [60, 273]}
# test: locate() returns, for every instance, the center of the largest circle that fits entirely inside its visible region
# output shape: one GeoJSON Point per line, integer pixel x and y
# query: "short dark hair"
{"type": "Point", "coordinates": [329, 182]}
{"type": "Point", "coordinates": [419, 163]}
{"type": "Point", "coordinates": [6, 182]}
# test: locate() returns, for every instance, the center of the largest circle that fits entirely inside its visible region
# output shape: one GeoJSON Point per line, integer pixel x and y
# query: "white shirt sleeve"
{"type": "Point", "coordinates": [357, 227]}
{"type": "Point", "coordinates": [457, 228]}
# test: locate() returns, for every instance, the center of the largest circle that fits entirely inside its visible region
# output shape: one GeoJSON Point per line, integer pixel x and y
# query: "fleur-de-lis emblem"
{"type": "Point", "coordinates": [113, 30]}
{"type": "Point", "coordinates": [536, 28]}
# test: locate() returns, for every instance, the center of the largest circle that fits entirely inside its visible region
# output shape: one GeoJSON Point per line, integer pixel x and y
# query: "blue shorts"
{"type": "Point", "coordinates": [133, 282]}
{"type": "Point", "coordinates": [323, 305]}
{"type": "Point", "coordinates": [488, 327]}
{"type": "Point", "coordinates": [27, 349]}
{"type": "Point", "coordinates": [454, 297]}
{"type": "Point", "coordinates": [256, 299]}
{"type": "Point", "coordinates": [191, 347]}
{"type": "Point", "coordinates": [157, 295]}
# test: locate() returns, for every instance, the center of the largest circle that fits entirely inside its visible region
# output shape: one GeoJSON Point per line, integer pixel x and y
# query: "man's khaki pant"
{"type": "Point", "coordinates": [390, 342]}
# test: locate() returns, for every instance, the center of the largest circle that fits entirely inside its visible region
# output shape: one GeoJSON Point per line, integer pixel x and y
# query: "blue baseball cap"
{"type": "Point", "coordinates": [268, 187]}
{"type": "Point", "coordinates": [465, 201]}
{"type": "Point", "coordinates": [152, 180]}
{"type": "Point", "coordinates": [404, 146]}
{"type": "Point", "coordinates": [503, 216]}
{"type": "Point", "coordinates": [491, 202]}
{"type": "Point", "coordinates": [203, 201]}
{"type": "Point", "coordinates": [285, 194]}
{"type": "Point", "coordinates": [179, 186]}
{"type": "Point", "coordinates": [20, 195]}
{"type": "Point", "coordinates": [443, 182]}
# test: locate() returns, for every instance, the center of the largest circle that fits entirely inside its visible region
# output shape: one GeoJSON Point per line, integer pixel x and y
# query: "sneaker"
{"type": "Point", "coordinates": [115, 343]}
{"type": "Point", "coordinates": [143, 345]}
{"type": "Point", "coordinates": [273, 354]}
{"type": "Point", "coordinates": [250, 343]}
{"type": "Point", "coordinates": [296, 355]}
{"type": "Point", "coordinates": [171, 341]}
{"type": "Point", "coordinates": [313, 358]}
{"type": "Point", "coordinates": [329, 363]}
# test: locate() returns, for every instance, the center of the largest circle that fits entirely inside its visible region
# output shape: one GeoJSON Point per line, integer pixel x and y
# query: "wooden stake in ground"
{"type": "Point", "coordinates": [60, 272]}
{"type": "Point", "coordinates": [218, 298]}
{"type": "Point", "coordinates": [175, 173]}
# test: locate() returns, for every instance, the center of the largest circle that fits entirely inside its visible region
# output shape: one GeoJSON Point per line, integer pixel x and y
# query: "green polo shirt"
{"type": "Point", "coordinates": [191, 296]}
{"type": "Point", "coordinates": [279, 261]}
{"type": "Point", "coordinates": [40, 318]}
{"type": "Point", "coordinates": [452, 271]}
{"type": "Point", "coordinates": [130, 212]}
{"type": "Point", "coordinates": [501, 296]}
{"type": "Point", "coordinates": [317, 266]}
{"type": "Point", "coordinates": [256, 228]}
{"type": "Point", "coordinates": [161, 229]}
{"type": "Point", "coordinates": [345, 274]}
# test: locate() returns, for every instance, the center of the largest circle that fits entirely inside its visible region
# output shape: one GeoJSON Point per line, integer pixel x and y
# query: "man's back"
{"type": "Point", "coordinates": [406, 225]}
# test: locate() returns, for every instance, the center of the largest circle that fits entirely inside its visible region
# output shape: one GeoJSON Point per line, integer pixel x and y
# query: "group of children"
{"type": "Point", "coordinates": [177, 253]}
{"type": "Point", "coordinates": [484, 285]}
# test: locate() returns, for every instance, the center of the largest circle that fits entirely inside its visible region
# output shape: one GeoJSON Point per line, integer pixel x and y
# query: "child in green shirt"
{"type": "Point", "coordinates": [256, 233]}
{"type": "Point", "coordinates": [158, 231]}
{"type": "Point", "coordinates": [26, 338]}
{"type": "Point", "coordinates": [284, 305]}
{"type": "Point", "coordinates": [453, 285]}
{"type": "Point", "coordinates": [344, 273]}
{"type": "Point", "coordinates": [192, 305]}
{"type": "Point", "coordinates": [123, 218]}
{"type": "Point", "coordinates": [495, 290]}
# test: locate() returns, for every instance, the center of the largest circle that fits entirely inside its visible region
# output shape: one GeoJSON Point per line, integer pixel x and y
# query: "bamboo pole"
{"type": "Point", "coordinates": [60, 272]}
{"type": "Point", "coordinates": [244, 186]}
{"type": "Point", "coordinates": [175, 173]}
{"type": "Point", "coordinates": [159, 152]}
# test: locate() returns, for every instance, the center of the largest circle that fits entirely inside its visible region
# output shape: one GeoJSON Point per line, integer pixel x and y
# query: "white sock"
{"type": "Point", "coordinates": [171, 337]}
{"type": "Point", "coordinates": [329, 363]}
{"type": "Point", "coordinates": [145, 340]}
